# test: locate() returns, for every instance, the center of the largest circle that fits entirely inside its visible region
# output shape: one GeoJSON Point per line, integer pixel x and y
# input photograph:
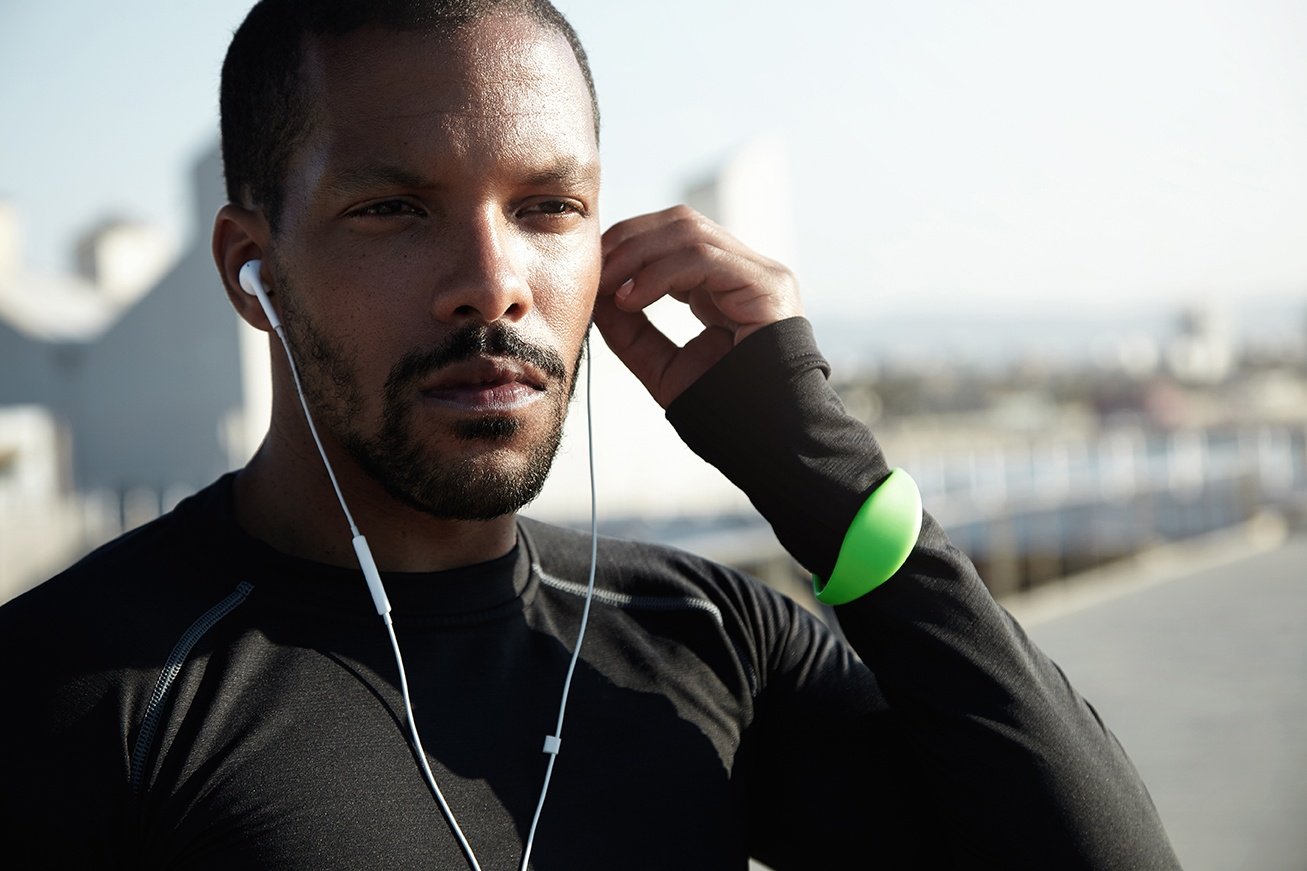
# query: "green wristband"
{"type": "Point", "coordinates": [878, 542]}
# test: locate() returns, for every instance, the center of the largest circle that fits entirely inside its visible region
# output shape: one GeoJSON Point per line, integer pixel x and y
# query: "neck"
{"type": "Point", "coordinates": [284, 498]}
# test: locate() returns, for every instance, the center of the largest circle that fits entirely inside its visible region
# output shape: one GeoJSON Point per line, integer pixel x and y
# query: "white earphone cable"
{"type": "Point", "coordinates": [552, 742]}
{"type": "Point", "coordinates": [418, 749]}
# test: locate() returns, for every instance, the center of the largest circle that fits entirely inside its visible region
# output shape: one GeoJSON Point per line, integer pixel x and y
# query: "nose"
{"type": "Point", "coordinates": [486, 278]}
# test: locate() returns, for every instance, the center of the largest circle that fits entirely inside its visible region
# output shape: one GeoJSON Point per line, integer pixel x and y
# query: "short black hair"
{"type": "Point", "coordinates": [265, 110]}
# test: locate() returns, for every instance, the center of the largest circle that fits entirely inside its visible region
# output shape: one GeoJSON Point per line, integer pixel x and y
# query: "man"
{"type": "Point", "coordinates": [420, 182]}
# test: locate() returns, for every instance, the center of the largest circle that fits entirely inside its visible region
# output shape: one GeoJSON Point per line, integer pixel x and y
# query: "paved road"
{"type": "Point", "coordinates": [1203, 678]}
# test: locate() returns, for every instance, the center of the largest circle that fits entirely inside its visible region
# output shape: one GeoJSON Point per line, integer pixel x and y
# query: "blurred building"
{"type": "Point", "coordinates": [750, 193]}
{"type": "Point", "coordinates": [146, 386]}
{"type": "Point", "coordinates": [142, 372]}
{"type": "Point", "coordinates": [123, 259]}
{"type": "Point", "coordinates": [1203, 350]}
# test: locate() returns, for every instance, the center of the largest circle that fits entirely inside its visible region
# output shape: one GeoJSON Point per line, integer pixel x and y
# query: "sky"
{"type": "Point", "coordinates": [1021, 158]}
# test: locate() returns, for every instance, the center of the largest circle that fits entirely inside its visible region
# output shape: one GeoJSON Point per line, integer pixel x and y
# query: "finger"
{"type": "Point", "coordinates": [732, 292]}
{"type": "Point", "coordinates": [633, 244]}
{"type": "Point", "coordinates": [664, 369]}
{"type": "Point", "coordinates": [635, 341]}
{"type": "Point", "coordinates": [678, 252]}
{"type": "Point", "coordinates": [704, 307]}
{"type": "Point", "coordinates": [686, 269]}
{"type": "Point", "coordinates": [630, 228]}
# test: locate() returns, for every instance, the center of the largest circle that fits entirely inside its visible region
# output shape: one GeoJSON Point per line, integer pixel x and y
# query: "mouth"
{"type": "Point", "coordinates": [485, 385]}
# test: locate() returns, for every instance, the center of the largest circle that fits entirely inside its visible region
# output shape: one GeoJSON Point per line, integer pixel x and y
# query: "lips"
{"type": "Point", "coordinates": [485, 385]}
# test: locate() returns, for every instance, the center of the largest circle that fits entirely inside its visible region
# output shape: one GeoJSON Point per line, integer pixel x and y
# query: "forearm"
{"type": "Point", "coordinates": [1017, 759]}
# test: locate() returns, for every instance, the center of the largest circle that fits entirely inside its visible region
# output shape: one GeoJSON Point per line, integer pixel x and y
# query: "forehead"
{"type": "Point", "coordinates": [499, 88]}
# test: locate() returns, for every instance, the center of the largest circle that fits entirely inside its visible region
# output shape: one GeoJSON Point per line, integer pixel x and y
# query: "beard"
{"type": "Point", "coordinates": [478, 485]}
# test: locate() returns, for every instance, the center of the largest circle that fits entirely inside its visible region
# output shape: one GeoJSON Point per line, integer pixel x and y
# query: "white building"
{"type": "Point", "coordinates": [144, 390]}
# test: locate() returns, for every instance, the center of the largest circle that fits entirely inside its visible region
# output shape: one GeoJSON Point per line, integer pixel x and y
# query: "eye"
{"type": "Point", "coordinates": [388, 209]}
{"type": "Point", "coordinates": [553, 208]}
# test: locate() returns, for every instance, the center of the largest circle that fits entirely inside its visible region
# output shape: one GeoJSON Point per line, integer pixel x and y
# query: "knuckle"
{"type": "Point", "coordinates": [784, 276]}
{"type": "Point", "coordinates": [689, 224]}
{"type": "Point", "coordinates": [704, 249]}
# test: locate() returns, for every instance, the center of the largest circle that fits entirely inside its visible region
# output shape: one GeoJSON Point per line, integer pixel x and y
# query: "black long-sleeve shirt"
{"type": "Point", "coordinates": [187, 696]}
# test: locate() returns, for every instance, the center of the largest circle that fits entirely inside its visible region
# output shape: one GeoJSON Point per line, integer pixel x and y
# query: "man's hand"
{"type": "Point", "coordinates": [732, 290]}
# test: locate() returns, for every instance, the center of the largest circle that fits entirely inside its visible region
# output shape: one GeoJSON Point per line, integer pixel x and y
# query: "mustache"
{"type": "Point", "coordinates": [475, 340]}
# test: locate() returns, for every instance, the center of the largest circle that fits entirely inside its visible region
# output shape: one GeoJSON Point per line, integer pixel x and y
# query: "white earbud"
{"type": "Point", "coordinates": [252, 284]}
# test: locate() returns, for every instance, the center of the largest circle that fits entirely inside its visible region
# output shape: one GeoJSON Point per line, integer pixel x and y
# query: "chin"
{"type": "Point", "coordinates": [491, 469]}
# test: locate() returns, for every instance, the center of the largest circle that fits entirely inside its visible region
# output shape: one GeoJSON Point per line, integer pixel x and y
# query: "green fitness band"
{"type": "Point", "coordinates": [878, 542]}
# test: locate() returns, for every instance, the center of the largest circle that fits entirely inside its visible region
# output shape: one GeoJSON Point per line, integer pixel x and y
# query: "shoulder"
{"type": "Point", "coordinates": [119, 601]}
{"type": "Point", "coordinates": [116, 572]}
{"type": "Point", "coordinates": [85, 650]}
{"type": "Point", "coordinates": [82, 655]}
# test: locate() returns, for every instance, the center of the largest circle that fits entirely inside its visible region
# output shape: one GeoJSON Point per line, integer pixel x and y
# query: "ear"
{"type": "Point", "coordinates": [239, 236]}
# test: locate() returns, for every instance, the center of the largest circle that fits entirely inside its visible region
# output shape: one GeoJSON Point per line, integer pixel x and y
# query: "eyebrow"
{"type": "Point", "coordinates": [357, 179]}
{"type": "Point", "coordinates": [566, 171]}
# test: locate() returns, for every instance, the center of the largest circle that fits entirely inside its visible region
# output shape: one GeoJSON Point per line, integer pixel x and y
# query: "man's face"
{"type": "Point", "coordinates": [438, 255]}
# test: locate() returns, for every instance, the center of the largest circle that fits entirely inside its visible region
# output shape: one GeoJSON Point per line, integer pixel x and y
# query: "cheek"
{"type": "Point", "coordinates": [345, 337]}
{"type": "Point", "coordinates": [565, 283]}
{"type": "Point", "coordinates": [362, 270]}
{"type": "Point", "coordinates": [566, 311]}
{"type": "Point", "coordinates": [373, 301]}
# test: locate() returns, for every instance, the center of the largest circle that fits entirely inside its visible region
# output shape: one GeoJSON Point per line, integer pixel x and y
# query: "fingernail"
{"type": "Point", "coordinates": [625, 290]}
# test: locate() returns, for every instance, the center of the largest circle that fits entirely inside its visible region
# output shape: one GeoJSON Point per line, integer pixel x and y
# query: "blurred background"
{"type": "Point", "coordinates": [1056, 252]}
